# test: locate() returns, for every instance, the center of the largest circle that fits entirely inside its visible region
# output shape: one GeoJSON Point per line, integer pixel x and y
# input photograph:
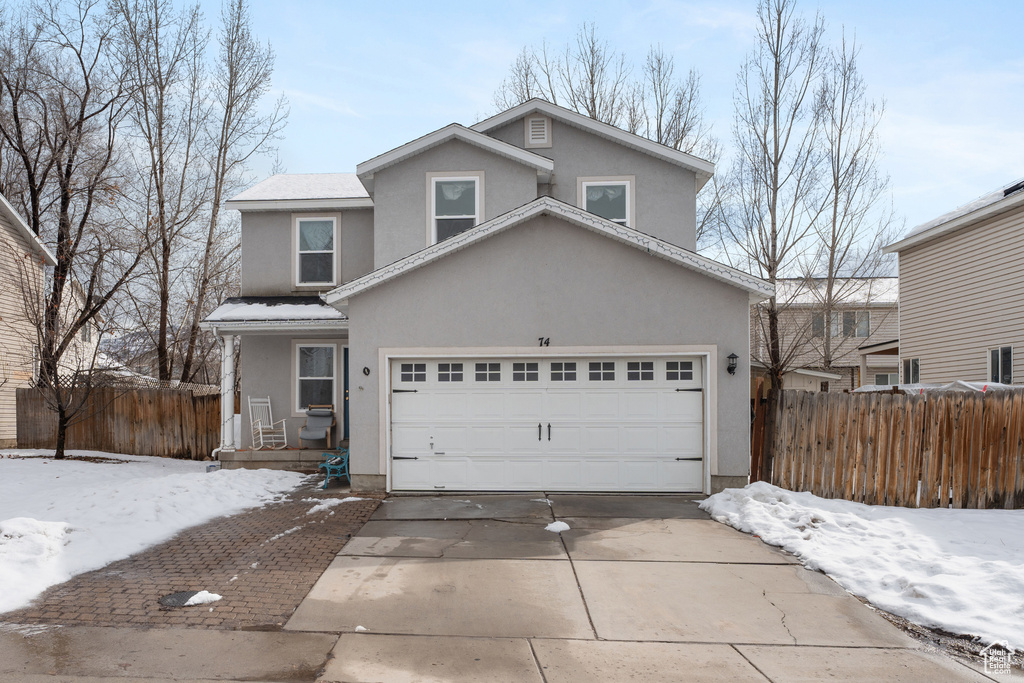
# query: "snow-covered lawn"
{"type": "Point", "coordinates": [957, 570]}
{"type": "Point", "coordinates": [61, 518]}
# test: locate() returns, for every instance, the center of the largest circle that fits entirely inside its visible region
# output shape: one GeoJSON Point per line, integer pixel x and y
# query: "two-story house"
{"type": "Point", "coordinates": [861, 326]}
{"type": "Point", "coordinates": [23, 258]}
{"type": "Point", "coordinates": [962, 293]}
{"type": "Point", "coordinates": [512, 306]}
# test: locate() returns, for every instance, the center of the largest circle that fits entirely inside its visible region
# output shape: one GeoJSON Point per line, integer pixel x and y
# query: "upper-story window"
{"type": "Point", "coordinates": [316, 248]}
{"type": "Point", "coordinates": [610, 198]}
{"type": "Point", "coordinates": [455, 206]}
{"type": "Point", "coordinates": [842, 324]}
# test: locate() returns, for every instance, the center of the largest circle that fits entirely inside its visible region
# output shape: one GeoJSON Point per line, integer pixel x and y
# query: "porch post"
{"type": "Point", "coordinates": [227, 393]}
{"type": "Point", "coordinates": [864, 371]}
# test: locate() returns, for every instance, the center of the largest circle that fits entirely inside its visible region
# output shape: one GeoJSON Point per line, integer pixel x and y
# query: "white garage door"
{"type": "Point", "coordinates": [547, 424]}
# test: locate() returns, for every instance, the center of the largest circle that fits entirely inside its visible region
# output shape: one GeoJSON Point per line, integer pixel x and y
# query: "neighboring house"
{"type": "Point", "coordinates": [23, 259]}
{"type": "Point", "coordinates": [867, 316]}
{"type": "Point", "coordinates": [81, 353]}
{"type": "Point", "coordinates": [516, 305]}
{"type": "Point", "coordinates": [962, 293]}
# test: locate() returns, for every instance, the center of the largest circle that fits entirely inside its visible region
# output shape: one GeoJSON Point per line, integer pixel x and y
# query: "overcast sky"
{"type": "Point", "coordinates": [364, 77]}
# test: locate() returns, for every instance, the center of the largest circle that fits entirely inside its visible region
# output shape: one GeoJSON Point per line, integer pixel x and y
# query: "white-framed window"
{"type": "Point", "coordinates": [449, 372]}
{"type": "Point", "coordinates": [911, 370]}
{"type": "Point", "coordinates": [316, 240]}
{"type": "Point", "coordinates": [610, 198]}
{"type": "Point", "coordinates": [842, 324]}
{"type": "Point", "coordinates": [601, 371]}
{"type": "Point", "coordinates": [86, 333]}
{"type": "Point", "coordinates": [525, 372]}
{"type": "Point", "coordinates": [455, 205]}
{"type": "Point", "coordinates": [1000, 365]}
{"type": "Point", "coordinates": [679, 370]}
{"type": "Point", "coordinates": [413, 372]}
{"type": "Point", "coordinates": [488, 372]}
{"type": "Point", "coordinates": [640, 370]}
{"type": "Point", "coordinates": [563, 371]}
{"type": "Point", "coordinates": [886, 379]}
{"type": "Point", "coordinates": [316, 371]}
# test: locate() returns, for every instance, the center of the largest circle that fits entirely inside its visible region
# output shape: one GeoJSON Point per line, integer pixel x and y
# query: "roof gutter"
{"type": "Point", "coordinates": [219, 327]}
{"type": "Point", "coordinates": [942, 229]}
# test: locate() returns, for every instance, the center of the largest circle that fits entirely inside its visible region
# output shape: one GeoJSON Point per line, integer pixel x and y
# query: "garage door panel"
{"type": "Point", "coordinates": [621, 432]}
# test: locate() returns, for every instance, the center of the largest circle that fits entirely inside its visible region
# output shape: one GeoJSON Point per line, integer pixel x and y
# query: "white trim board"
{"type": "Point", "coordinates": [544, 166]}
{"type": "Point", "coordinates": [702, 168]}
{"type": "Point", "coordinates": [758, 289]}
{"type": "Point", "coordinates": [19, 224]}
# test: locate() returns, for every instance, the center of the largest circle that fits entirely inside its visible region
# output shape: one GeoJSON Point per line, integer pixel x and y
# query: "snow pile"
{"type": "Point", "coordinates": [62, 518]}
{"type": "Point", "coordinates": [957, 570]}
{"type": "Point", "coordinates": [327, 503]}
{"type": "Point", "coordinates": [202, 598]}
{"type": "Point", "coordinates": [557, 527]}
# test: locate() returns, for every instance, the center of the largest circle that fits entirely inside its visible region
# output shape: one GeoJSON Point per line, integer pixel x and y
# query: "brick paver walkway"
{"type": "Point", "coordinates": [263, 562]}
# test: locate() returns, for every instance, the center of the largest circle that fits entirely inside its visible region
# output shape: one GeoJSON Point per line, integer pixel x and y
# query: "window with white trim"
{"type": "Point", "coordinates": [455, 206]}
{"type": "Point", "coordinates": [601, 371]}
{"type": "Point", "coordinates": [842, 324]}
{"type": "Point", "coordinates": [525, 372]}
{"type": "Point", "coordinates": [608, 199]}
{"type": "Point", "coordinates": [315, 257]}
{"type": "Point", "coordinates": [679, 370]}
{"type": "Point", "coordinates": [449, 372]}
{"type": "Point", "coordinates": [315, 375]}
{"type": "Point", "coordinates": [413, 372]}
{"type": "Point", "coordinates": [488, 372]}
{"type": "Point", "coordinates": [887, 379]}
{"type": "Point", "coordinates": [911, 370]}
{"type": "Point", "coordinates": [1000, 365]}
{"type": "Point", "coordinates": [640, 370]}
{"type": "Point", "coordinates": [563, 372]}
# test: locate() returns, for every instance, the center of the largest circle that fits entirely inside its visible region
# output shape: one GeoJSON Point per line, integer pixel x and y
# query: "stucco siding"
{"type": "Point", "coordinates": [547, 278]}
{"type": "Point", "coordinates": [21, 272]}
{"type": "Point", "coordinates": [267, 368]}
{"type": "Point", "coordinates": [401, 201]}
{"type": "Point", "coordinates": [268, 250]}
{"type": "Point", "coordinates": [664, 193]}
{"type": "Point", "coordinates": [962, 295]}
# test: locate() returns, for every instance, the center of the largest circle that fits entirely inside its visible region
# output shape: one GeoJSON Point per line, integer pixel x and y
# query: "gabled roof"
{"type": "Point", "coordinates": [758, 289]}
{"type": "Point", "coordinates": [21, 226]}
{"type": "Point", "coordinates": [304, 190]}
{"type": "Point", "coordinates": [996, 202]}
{"type": "Point", "coordinates": [453, 131]}
{"type": "Point", "coordinates": [703, 168]}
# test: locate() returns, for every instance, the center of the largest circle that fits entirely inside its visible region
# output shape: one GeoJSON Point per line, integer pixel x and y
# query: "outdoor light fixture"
{"type": "Point", "coordinates": [733, 358]}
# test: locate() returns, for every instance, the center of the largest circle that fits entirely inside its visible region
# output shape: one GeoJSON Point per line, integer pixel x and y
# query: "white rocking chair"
{"type": "Point", "coordinates": [265, 432]}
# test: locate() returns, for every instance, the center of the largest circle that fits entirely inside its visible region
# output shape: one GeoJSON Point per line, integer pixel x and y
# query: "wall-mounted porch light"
{"type": "Point", "coordinates": [733, 358]}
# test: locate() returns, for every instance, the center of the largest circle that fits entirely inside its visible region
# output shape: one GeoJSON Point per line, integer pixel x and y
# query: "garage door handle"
{"type": "Point", "coordinates": [698, 459]}
{"type": "Point", "coordinates": [698, 389]}
{"type": "Point", "coordinates": [404, 457]}
{"type": "Point", "coordinates": [403, 391]}
{"type": "Point", "coordinates": [549, 431]}
{"type": "Point", "coordinates": [539, 431]}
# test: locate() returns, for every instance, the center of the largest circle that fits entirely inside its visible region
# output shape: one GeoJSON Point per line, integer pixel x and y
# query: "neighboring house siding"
{"type": "Point", "coordinates": [961, 295]}
{"type": "Point", "coordinates": [547, 278]}
{"type": "Point", "coordinates": [401, 201]}
{"type": "Point", "coordinates": [20, 268]}
{"type": "Point", "coordinates": [663, 201]}
{"type": "Point", "coordinates": [268, 250]}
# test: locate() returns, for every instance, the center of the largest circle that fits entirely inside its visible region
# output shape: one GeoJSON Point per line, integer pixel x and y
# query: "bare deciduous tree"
{"type": "Point", "coordinates": [62, 102]}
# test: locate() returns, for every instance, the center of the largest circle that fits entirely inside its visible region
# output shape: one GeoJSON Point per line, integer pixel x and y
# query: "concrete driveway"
{"type": "Point", "coordinates": [645, 588]}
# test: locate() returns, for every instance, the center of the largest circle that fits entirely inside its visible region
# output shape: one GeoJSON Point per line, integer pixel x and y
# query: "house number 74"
{"type": "Point", "coordinates": [544, 341]}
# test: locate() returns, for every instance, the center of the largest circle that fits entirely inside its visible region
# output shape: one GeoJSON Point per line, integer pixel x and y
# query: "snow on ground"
{"type": "Point", "coordinates": [327, 503]}
{"type": "Point", "coordinates": [557, 527]}
{"type": "Point", "coordinates": [62, 518]}
{"type": "Point", "coordinates": [202, 598]}
{"type": "Point", "coordinates": [957, 570]}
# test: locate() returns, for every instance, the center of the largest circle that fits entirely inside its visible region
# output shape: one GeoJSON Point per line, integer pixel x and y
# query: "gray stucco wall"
{"type": "Point", "coordinates": [268, 256]}
{"type": "Point", "coordinates": [266, 369]}
{"type": "Point", "coordinates": [549, 278]}
{"type": "Point", "coordinates": [400, 194]}
{"type": "Point", "coordinates": [665, 193]}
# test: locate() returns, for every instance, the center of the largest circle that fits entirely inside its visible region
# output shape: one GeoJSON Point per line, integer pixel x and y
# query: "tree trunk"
{"type": "Point", "coordinates": [62, 432]}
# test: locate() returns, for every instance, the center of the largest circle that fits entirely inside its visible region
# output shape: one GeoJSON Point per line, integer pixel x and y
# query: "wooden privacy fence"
{"type": "Point", "coordinates": [966, 449]}
{"type": "Point", "coordinates": [165, 422]}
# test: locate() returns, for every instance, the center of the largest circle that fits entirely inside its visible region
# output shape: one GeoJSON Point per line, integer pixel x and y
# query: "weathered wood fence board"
{"type": "Point", "coordinates": [961, 449]}
{"type": "Point", "coordinates": [163, 422]}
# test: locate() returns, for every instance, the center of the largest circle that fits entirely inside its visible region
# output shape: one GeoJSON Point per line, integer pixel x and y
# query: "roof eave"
{"type": "Point", "coordinates": [703, 168]}
{"type": "Point", "coordinates": [943, 229]}
{"type": "Point", "coordinates": [299, 204]}
{"type": "Point", "coordinates": [240, 326]}
{"type": "Point", "coordinates": [33, 239]}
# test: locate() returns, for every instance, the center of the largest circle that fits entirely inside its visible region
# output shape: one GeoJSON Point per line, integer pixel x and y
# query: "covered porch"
{"type": "Point", "coordinates": [292, 350]}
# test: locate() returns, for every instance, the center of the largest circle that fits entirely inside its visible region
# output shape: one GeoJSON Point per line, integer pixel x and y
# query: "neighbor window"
{"type": "Point", "coordinates": [315, 376]}
{"type": "Point", "coordinates": [842, 324]}
{"type": "Point", "coordinates": [911, 370]}
{"type": "Point", "coordinates": [1000, 365]}
{"type": "Point", "coordinates": [887, 379]}
{"type": "Point", "coordinates": [86, 333]}
{"type": "Point", "coordinates": [315, 264]}
{"type": "Point", "coordinates": [456, 203]}
{"type": "Point", "coordinates": [608, 199]}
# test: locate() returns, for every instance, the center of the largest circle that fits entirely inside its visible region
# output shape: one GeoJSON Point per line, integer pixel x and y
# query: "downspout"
{"type": "Point", "coordinates": [220, 342]}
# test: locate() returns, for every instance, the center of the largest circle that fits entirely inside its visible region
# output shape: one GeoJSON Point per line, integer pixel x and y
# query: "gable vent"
{"type": "Point", "coordinates": [538, 131]}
